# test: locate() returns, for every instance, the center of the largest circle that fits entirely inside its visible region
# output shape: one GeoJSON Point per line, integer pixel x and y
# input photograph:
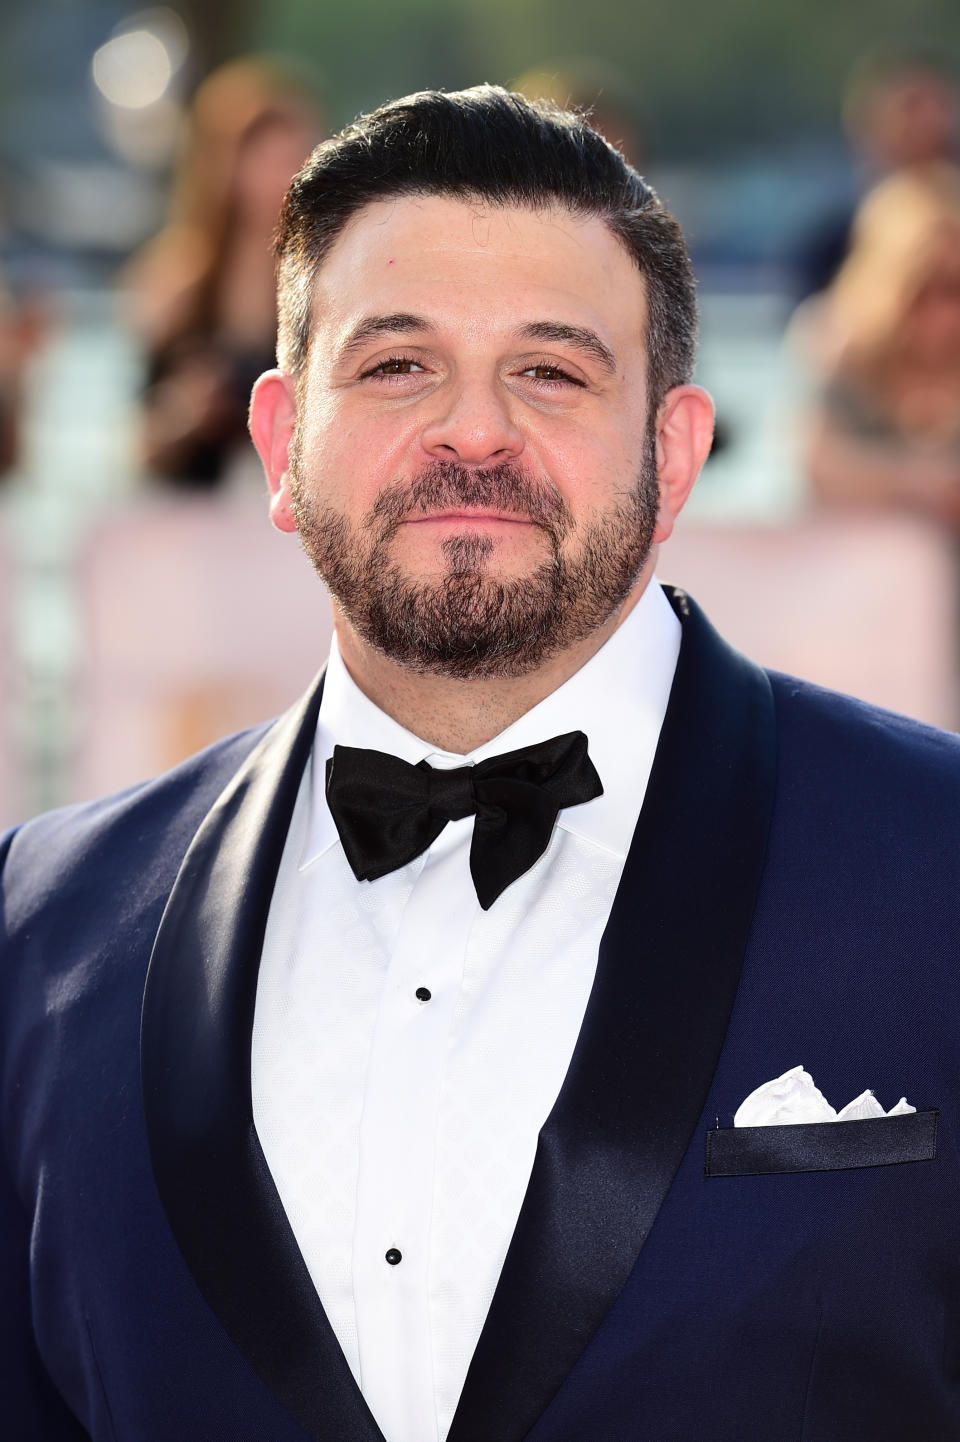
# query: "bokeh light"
{"type": "Point", "coordinates": [133, 70]}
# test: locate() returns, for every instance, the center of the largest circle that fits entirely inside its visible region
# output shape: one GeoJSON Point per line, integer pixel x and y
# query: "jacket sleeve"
{"type": "Point", "coordinates": [30, 1405]}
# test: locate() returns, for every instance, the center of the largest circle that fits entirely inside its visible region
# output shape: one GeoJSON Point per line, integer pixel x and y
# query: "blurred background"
{"type": "Point", "coordinates": [809, 150]}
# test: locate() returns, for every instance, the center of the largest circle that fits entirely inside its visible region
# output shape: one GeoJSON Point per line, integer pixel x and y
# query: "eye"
{"type": "Point", "coordinates": [550, 374]}
{"type": "Point", "coordinates": [395, 365]}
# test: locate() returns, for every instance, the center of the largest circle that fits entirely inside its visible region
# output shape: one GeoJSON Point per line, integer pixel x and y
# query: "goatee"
{"type": "Point", "coordinates": [467, 623]}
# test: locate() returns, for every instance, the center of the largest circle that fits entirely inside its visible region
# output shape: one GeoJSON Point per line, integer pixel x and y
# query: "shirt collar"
{"type": "Point", "coordinates": [619, 698]}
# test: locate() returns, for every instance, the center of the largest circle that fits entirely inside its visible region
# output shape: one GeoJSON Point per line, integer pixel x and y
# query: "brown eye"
{"type": "Point", "coordinates": [551, 373]}
{"type": "Point", "coordinates": [397, 365]}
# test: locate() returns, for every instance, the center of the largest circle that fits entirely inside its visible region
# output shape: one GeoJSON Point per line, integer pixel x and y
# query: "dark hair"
{"type": "Point", "coordinates": [502, 148]}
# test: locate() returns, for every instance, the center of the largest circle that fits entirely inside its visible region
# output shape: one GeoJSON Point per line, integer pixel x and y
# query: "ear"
{"type": "Point", "coordinates": [273, 415]}
{"type": "Point", "coordinates": [684, 437]}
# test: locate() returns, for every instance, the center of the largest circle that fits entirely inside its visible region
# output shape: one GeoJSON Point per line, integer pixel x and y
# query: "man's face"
{"type": "Point", "coordinates": [473, 471]}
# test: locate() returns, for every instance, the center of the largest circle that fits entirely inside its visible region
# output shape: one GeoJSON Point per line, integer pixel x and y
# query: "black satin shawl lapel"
{"type": "Point", "coordinates": [196, 1032]}
{"type": "Point", "coordinates": [667, 977]}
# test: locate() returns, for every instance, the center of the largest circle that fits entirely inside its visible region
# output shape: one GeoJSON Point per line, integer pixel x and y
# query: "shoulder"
{"type": "Point", "coordinates": [834, 744]}
{"type": "Point", "coordinates": [134, 839]}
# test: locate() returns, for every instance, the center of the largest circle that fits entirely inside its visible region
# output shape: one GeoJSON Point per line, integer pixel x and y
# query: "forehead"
{"type": "Point", "coordinates": [467, 259]}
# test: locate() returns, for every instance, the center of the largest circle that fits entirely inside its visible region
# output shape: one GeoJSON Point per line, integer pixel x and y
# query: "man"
{"type": "Point", "coordinates": [449, 1009]}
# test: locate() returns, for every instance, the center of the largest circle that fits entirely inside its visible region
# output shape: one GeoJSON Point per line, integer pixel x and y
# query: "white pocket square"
{"type": "Point", "coordinates": [794, 1098]}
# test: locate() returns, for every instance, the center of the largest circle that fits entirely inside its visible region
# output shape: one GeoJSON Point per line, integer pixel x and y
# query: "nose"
{"type": "Point", "coordinates": [473, 424]}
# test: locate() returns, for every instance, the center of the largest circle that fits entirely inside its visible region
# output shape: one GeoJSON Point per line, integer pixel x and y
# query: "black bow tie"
{"type": "Point", "coordinates": [388, 811]}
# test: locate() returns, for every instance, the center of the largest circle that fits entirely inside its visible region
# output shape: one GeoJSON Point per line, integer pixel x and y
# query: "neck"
{"type": "Point", "coordinates": [459, 715]}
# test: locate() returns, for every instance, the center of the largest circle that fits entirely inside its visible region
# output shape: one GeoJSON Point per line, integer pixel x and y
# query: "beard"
{"type": "Point", "coordinates": [466, 623]}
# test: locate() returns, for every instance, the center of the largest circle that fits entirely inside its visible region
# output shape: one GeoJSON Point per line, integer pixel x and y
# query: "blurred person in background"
{"type": "Point", "coordinates": [12, 357]}
{"type": "Point", "coordinates": [202, 293]}
{"type": "Point", "coordinates": [22, 324]}
{"type": "Point", "coordinates": [900, 111]}
{"type": "Point", "coordinates": [884, 340]}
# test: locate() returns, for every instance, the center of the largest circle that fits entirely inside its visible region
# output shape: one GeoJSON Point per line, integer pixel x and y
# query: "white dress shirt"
{"type": "Point", "coordinates": [405, 1124]}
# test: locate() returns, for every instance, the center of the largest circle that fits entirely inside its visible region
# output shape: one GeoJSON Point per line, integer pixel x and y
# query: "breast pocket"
{"type": "Point", "coordinates": [822, 1146]}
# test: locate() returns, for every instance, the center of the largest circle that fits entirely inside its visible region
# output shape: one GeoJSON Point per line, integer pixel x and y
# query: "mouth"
{"type": "Point", "coordinates": [472, 516]}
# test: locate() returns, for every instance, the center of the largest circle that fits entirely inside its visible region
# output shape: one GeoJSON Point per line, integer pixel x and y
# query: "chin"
{"type": "Point", "coordinates": [472, 549]}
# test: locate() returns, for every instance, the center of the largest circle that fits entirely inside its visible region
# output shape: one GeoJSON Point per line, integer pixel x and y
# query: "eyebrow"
{"type": "Point", "coordinates": [373, 326]}
{"type": "Point", "coordinates": [582, 338]}
{"type": "Point", "coordinates": [578, 336]}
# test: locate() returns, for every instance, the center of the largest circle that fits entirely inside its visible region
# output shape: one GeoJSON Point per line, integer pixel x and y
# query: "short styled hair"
{"type": "Point", "coordinates": [493, 145]}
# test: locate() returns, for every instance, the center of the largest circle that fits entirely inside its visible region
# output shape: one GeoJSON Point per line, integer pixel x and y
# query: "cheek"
{"type": "Point", "coordinates": [374, 444]}
{"type": "Point", "coordinates": [592, 469]}
{"type": "Point", "coordinates": [345, 461]}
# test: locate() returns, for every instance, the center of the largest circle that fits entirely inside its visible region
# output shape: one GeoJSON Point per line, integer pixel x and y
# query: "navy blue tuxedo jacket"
{"type": "Point", "coordinates": [791, 896]}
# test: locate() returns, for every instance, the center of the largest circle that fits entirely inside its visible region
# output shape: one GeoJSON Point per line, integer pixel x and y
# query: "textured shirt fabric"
{"type": "Point", "coordinates": [404, 1124]}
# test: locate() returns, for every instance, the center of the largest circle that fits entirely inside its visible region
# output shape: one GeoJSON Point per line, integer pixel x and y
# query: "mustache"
{"type": "Point", "coordinates": [446, 484]}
